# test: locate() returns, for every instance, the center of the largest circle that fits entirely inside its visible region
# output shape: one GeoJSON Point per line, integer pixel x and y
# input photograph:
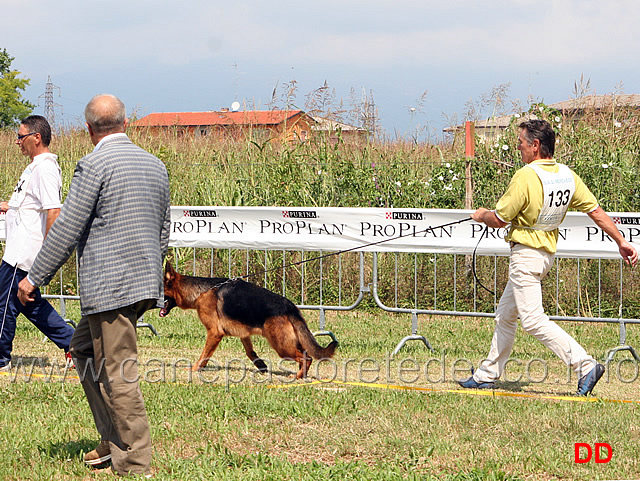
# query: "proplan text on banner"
{"type": "Point", "coordinates": [376, 229]}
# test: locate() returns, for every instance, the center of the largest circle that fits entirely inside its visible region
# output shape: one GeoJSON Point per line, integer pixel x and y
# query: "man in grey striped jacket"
{"type": "Point", "coordinates": [116, 215]}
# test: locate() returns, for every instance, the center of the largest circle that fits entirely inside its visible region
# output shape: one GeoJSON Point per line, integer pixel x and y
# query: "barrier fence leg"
{"type": "Point", "coordinates": [323, 331]}
{"type": "Point", "coordinates": [141, 323]}
{"type": "Point", "coordinates": [623, 345]}
{"type": "Point", "coordinates": [413, 337]}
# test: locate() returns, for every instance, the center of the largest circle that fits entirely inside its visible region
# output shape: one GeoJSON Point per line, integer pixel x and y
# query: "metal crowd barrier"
{"type": "Point", "coordinates": [551, 287]}
{"type": "Point", "coordinates": [581, 290]}
{"type": "Point", "coordinates": [296, 285]}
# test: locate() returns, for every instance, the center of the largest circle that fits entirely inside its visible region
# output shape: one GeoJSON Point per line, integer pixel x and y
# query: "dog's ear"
{"type": "Point", "coordinates": [169, 276]}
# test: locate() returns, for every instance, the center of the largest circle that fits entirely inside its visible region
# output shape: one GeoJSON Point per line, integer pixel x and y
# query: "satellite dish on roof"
{"type": "Point", "coordinates": [235, 106]}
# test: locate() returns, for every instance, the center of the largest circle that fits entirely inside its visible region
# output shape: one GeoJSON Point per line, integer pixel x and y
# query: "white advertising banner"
{"type": "Point", "coordinates": [376, 229]}
{"type": "Point", "coordinates": [373, 229]}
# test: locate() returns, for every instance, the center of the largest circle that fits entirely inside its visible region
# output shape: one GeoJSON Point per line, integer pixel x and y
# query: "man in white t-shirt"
{"type": "Point", "coordinates": [32, 209]}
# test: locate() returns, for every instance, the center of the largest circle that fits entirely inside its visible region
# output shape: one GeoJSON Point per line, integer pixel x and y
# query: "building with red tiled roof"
{"type": "Point", "coordinates": [260, 125]}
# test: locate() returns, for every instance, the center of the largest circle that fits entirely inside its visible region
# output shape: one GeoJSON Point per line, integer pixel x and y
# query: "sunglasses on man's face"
{"type": "Point", "coordinates": [20, 137]}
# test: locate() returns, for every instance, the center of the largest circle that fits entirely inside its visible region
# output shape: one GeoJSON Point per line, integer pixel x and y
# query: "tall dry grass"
{"type": "Point", "coordinates": [602, 146]}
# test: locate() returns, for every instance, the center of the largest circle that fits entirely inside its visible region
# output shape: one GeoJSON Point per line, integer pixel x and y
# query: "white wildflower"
{"type": "Point", "coordinates": [440, 178]}
{"type": "Point", "coordinates": [399, 184]}
{"type": "Point", "coordinates": [505, 147]}
{"type": "Point", "coordinates": [605, 166]}
{"type": "Point", "coordinates": [557, 119]}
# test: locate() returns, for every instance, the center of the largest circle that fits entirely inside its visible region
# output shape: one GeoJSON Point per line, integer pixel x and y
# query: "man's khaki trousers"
{"type": "Point", "coordinates": [104, 348]}
{"type": "Point", "coordinates": [522, 298]}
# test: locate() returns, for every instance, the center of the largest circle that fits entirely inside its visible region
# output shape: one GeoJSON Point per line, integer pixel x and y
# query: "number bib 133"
{"type": "Point", "coordinates": [558, 188]}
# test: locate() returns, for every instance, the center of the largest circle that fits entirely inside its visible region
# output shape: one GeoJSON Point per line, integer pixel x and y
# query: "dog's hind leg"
{"type": "Point", "coordinates": [251, 354]}
{"type": "Point", "coordinates": [302, 358]}
{"type": "Point", "coordinates": [304, 361]}
{"type": "Point", "coordinates": [281, 335]}
{"type": "Point", "coordinates": [210, 346]}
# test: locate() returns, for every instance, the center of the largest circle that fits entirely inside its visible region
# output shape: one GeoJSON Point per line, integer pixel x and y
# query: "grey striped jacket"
{"type": "Point", "coordinates": [117, 216]}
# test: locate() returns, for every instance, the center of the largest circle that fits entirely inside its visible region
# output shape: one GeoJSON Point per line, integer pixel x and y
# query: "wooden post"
{"type": "Point", "coordinates": [469, 152]}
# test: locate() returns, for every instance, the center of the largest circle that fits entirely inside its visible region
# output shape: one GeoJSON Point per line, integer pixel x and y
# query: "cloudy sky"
{"type": "Point", "coordinates": [196, 55]}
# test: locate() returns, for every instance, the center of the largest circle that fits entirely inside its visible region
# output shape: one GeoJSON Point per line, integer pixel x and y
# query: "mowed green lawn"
{"type": "Point", "coordinates": [381, 418]}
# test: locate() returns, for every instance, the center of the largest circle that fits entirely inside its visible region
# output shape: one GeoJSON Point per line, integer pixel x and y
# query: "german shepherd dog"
{"type": "Point", "coordinates": [233, 307]}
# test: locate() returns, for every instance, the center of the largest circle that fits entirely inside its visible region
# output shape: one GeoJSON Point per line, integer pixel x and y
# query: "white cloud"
{"type": "Point", "coordinates": [565, 32]}
{"type": "Point", "coordinates": [416, 43]}
{"type": "Point", "coordinates": [355, 33]}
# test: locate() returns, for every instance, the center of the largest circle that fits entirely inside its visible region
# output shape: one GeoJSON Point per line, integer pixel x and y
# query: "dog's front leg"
{"type": "Point", "coordinates": [210, 346]}
{"type": "Point", "coordinates": [251, 354]}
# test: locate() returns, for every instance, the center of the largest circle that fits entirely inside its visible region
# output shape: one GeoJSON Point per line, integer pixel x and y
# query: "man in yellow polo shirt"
{"type": "Point", "coordinates": [535, 204]}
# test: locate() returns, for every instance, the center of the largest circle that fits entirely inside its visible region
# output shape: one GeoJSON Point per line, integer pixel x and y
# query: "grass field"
{"type": "Point", "coordinates": [382, 418]}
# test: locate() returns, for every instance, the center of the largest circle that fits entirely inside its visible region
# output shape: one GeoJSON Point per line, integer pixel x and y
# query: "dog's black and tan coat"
{"type": "Point", "coordinates": [241, 309]}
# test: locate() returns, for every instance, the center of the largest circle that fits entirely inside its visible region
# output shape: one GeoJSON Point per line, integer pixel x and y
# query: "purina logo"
{"type": "Point", "coordinates": [299, 214]}
{"type": "Point", "coordinates": [404, 215]}
{"type": "Point", "coordinates": [199, 213]}
{"type": "Point", "coordinates": [626, 220]}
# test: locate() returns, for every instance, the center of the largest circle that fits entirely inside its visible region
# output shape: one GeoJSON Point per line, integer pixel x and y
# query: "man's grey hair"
{"type": "Point", "coordinates": [105, 113]}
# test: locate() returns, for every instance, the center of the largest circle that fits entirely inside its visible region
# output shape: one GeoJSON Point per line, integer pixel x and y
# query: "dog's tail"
{"type": "Point", "coordinates": [308, 341]}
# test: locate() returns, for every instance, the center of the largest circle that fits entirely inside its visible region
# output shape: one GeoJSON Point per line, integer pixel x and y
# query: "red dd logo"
{"type": "Point", "coordinates": [579, 448]}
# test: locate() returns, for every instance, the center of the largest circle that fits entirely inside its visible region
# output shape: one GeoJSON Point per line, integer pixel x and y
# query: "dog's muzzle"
{"type": "Point", "coordinates": [168, 305]}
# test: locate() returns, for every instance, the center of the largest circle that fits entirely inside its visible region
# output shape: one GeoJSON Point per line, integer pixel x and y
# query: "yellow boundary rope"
{"type": "Point", "coordinates": [397, 387]}
{"type": "Point", "coordinates": [472, 392]}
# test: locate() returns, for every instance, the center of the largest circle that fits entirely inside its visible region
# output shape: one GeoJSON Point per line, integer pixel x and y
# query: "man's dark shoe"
{"type": "Point", "coordinates": [100, 455]}
{"type": "Point", "coordinates": [473, 384]}
{"type": "Point", "coordinates": [589, 380]}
